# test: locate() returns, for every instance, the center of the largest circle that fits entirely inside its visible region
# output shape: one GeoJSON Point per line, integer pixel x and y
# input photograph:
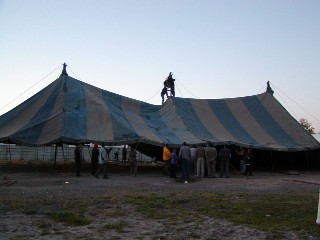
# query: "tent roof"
{"type": "Point", "coordinates": [317, 136]}
{"type": "Point", "coordinates": [71, 111]}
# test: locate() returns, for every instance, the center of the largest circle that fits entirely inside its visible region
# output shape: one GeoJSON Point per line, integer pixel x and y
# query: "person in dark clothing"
{"type": "Point", "coordinates": [133, 161]}
{"type": "Point", "coordinates": [249, 162]}
{"type": "Point", "coordinates": [94, 158]}
{"type": "Point", "coordinates": [116, 154]}
{"type": "Point", "coordinates": [242, 153]}
{"type": "Point", "coordinates": [184, 156]}
{"type": "Point", "coordinates": [224, 157]}
{"type": "Point", "coordinates": [78, 159]}
{"type": "Point", "coordinates": [124, 154]}
{"type": "Point", "coordinates": [164, 92]}
{"type": "Point", "coordinates": [169, 83]}
{"type": "Point", "coordinates": [173, 164]}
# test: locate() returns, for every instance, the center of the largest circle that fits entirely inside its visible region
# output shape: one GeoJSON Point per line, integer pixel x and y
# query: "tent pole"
{"type": "Point", "coordinates": [36, 153]}
{"type": "Point", "coordinates": [88, 147]}
{"type": "Point", "coordinates": [36, 158]}
{"type": "Point", "coordinates": [44, 150]}
{"type": "Point", "coordinates": [55, 156]}
{"type": "Point", "coordinates": [271, 160]}
{"type": "Point", "coordinates": [291, 161]}
{"type": "Point", "coordinates": [64, 160]}
{"type": "Point", "coordinates": [21, 153]}
{"type": "Point", "coordinates": [10, 157]}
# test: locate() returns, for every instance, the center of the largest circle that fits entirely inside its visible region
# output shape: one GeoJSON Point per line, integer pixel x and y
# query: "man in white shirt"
{"type": "Point", "coordinates": [102, 162]}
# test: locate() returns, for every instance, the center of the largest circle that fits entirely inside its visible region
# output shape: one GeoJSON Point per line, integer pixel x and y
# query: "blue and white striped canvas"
{"type": "Point", "coordinates": [71, 111]}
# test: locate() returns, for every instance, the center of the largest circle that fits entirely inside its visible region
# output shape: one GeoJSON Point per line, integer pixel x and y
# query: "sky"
{"type": "Point", "coordinates": [215, 49]}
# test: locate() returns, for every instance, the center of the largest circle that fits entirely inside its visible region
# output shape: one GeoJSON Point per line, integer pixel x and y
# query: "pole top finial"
{"type": "Point", "coordinates": [64, 70]}
{"type": "Point", "coordinates": [269, 89]}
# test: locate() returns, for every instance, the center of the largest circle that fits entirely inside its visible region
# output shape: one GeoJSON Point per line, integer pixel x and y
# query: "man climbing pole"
{"type": "Point", "coordinates": [164, 92]}
{"type": "Point", "coordinates": [169, 83]}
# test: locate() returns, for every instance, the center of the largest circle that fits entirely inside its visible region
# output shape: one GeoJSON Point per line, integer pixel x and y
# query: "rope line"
{"type": "Point", "coordinates": [261, 89]}
{"type": "Point", "coordinates": [73, 72]}
{"type": "Point", "coordinates": [179, 91]}
{"type": "Point", "coordinates": [153, 95]}
{"type": "Point", "coordinates": [296, 103]}
{"type": "Point", "coordinates": [30, 88]}
{"type": "Point", "coordinates": [287, 105]}
{"type": "Point", "coordinates": [187, 90]}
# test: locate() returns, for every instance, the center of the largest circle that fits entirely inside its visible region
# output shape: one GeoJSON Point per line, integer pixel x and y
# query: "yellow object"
{"type": "Point", "coordinates": [166, 154]}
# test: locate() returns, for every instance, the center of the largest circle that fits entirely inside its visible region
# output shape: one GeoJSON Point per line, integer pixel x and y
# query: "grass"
{"type": "Point", "coordinates": [68, 212]}
{"type": "Point", "coordinates": [70, 218]}
{"type": "Point", "coordinates": [273, 213]}
{"type": "Point", "coordinates": [277, 212]}
{"type": "Point", "coordinates": [117, 226]}
{"type": "Point", "coordinates": [270, 213]}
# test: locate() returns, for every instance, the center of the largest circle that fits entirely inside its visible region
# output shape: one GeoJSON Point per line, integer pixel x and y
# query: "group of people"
{"type": "Point", "coordinates": [201, 160]}
{"type": "Point", "coordinates": [100, 158]}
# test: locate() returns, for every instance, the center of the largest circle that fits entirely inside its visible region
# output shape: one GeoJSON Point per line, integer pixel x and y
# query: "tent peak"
{"type": "Point", "coordinates": [269, 89]}
{"type": "Point", "coordinates": [64, 70]}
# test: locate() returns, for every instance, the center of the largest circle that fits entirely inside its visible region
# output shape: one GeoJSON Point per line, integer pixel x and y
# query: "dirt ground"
{"type": "Point", "coordinates": [21, 185]}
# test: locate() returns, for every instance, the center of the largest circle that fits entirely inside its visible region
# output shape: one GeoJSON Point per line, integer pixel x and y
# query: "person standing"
{"type": "Point", "coordinates": [200, 153]}
{"type": "Point", "coordinates": [169, 82]}
{"type": "Point", "coordinates": [164, 92]}
{"type": "Point", "coordinates": [116, 154]}
{"type": "Point", "coordinates": [242, 153]}
{"type": "Point", "coordinates": [184, 156]}
{"type": "Point", "coordinates": [133, 162]}
{"type": "Point", "coordinates": [173, 164]}
{"type": "Point", "coordinates": [211, 155]}
{"type": "Point", "coordinates": [94, 158]}
{"type": "Point", "coordinates": [193, 155]}
{"type": "Point", "coordinates": [124, 154]}
{"type": "Point", "coordinates": [166, 163]}
{"type": "Point", "coordinates": [224, 156]}
{"type": "Point", "coordinates": [108, 151]}
{"type": "Point", "coordinates": [78, 159]}
{"type": "Point", "coordinates": [102, 162]}
{"type": "Point", "coordinates": [249, 162]}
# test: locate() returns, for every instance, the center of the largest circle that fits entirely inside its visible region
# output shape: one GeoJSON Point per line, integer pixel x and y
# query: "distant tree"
{"type": "Point", "coordinates": [307, 125]}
